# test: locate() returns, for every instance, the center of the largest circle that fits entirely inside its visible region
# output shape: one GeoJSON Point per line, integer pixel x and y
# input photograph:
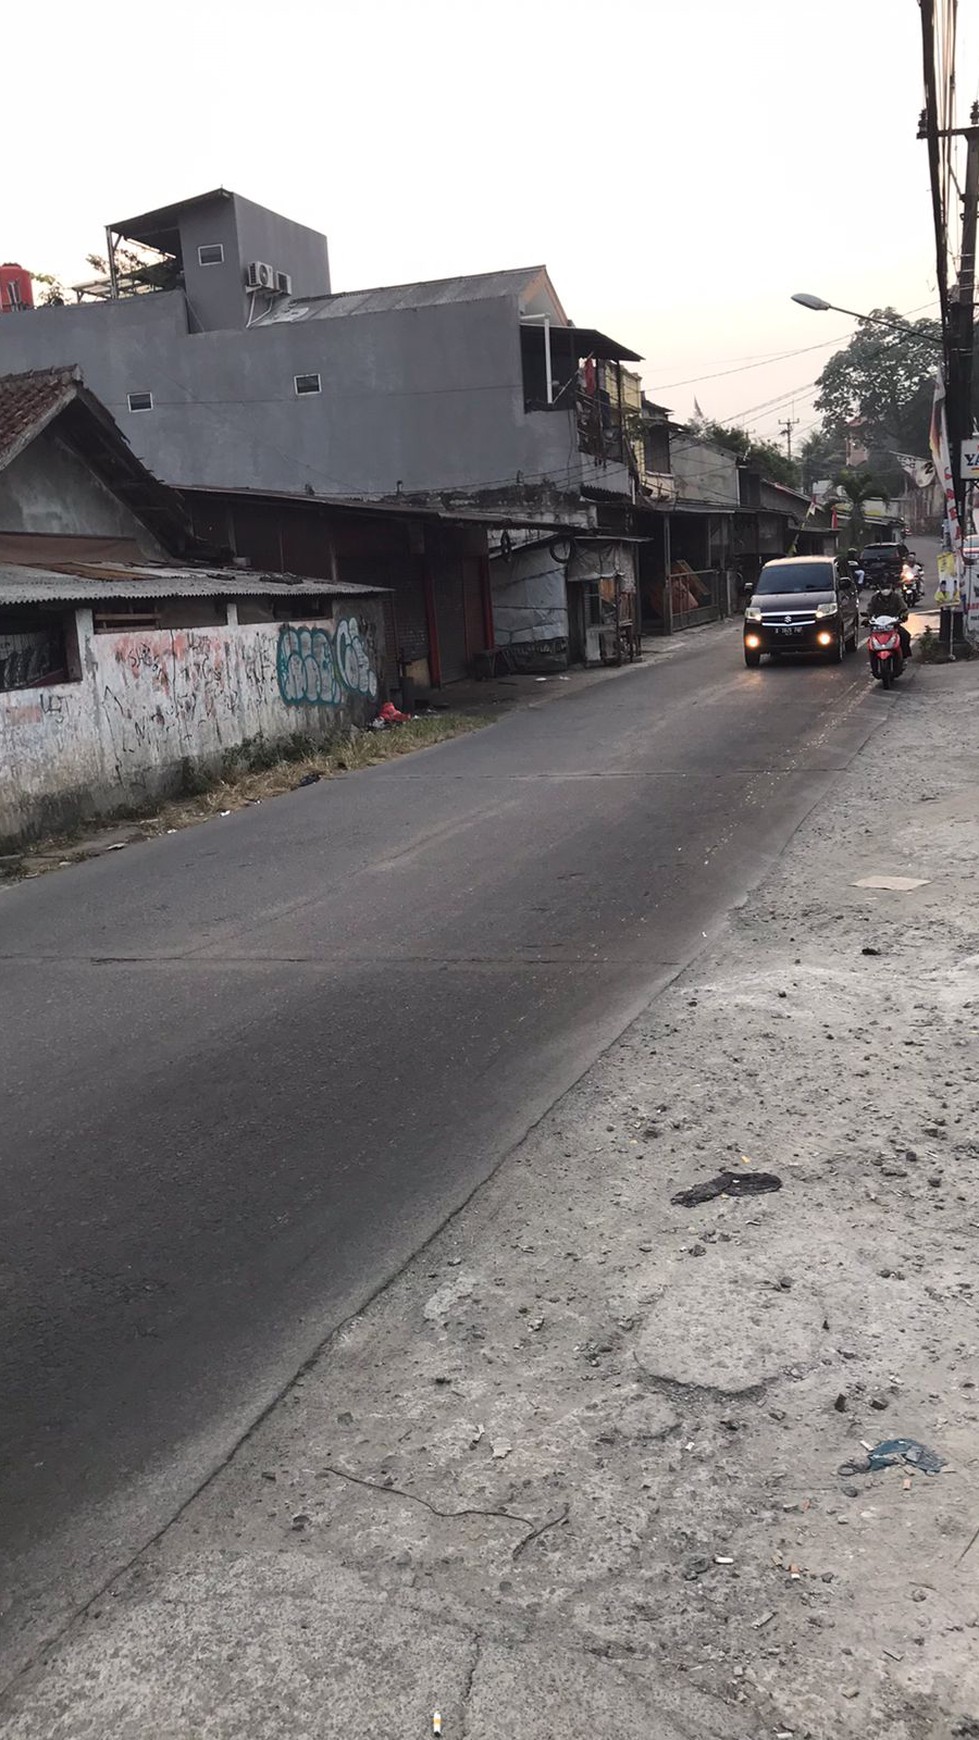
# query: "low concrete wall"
{"type": "Point", "coordinates": [154, 706]}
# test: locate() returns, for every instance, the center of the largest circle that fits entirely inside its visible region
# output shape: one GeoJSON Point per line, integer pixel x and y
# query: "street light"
{"type": "Point", "coordinates": [816, 303]}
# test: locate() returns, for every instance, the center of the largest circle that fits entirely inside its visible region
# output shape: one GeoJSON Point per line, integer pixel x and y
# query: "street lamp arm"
{"type": "Point", "coordinates": [820, 307]}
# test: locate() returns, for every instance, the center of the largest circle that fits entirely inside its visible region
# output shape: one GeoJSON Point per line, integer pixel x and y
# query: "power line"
{"type": "Point", "coordinates": [775, 356]}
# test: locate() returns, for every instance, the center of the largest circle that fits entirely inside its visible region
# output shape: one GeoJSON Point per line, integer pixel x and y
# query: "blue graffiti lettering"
{"type": "Point", "coordinates": [315, 667]}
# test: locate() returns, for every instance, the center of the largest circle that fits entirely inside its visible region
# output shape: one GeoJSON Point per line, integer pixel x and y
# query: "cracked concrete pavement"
{"type": "Point", "coordinates": [575, 1472]}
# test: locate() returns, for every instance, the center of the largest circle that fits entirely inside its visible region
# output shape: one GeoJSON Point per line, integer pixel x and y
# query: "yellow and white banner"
{"type": "Point", "coordinates": [951, 589]}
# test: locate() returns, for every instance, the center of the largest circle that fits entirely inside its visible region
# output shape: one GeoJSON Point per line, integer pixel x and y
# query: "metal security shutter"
{"type": "Point", "coordinates": [450, 606]}
{"type": "Point", "coordinates": [411, 617]}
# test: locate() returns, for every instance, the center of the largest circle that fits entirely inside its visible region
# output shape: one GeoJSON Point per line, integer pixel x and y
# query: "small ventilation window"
{"type": "Point", "coordinates": [307, 384]}
{"type": "Point", "coordinates": [140, 401]}
{"type": "Point", "coordinates": [211, 254]}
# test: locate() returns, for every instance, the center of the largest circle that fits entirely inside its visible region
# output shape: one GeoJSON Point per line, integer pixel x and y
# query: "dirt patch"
{"type": "Point", "coordinates": [252, 775]}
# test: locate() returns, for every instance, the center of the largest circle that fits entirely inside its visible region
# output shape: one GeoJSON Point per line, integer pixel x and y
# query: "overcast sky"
{"type": "Point", "coordinates": [681, 166]}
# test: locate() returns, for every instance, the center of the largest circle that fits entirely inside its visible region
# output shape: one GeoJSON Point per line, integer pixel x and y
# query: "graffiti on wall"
{"type": "Point", "coordinates": [317, 666]}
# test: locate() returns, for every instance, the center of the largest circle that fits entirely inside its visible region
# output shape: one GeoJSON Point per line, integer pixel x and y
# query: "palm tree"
{"type": "Point", "coordinates": [859, 487]}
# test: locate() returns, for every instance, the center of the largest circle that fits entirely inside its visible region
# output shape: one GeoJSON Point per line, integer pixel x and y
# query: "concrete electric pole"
{"type": "Point", "coordinates": [962, 310]}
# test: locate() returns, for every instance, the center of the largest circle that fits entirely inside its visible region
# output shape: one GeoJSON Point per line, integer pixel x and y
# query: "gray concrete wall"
{"type": "Point", "coordinates": [288, 246]}
{"type": "Point", "coordinates": [49, 489]}
{"type": "Point", "coordinates": [703, 472]}
{"type": "Point", "coordinates": [215, 293]}
{"type": "Point", "coordinates": [247, 232]}
{"type": "Point", "coordinates": [431, 398]}
{"type": "Point", "coordinates": [107, 340]}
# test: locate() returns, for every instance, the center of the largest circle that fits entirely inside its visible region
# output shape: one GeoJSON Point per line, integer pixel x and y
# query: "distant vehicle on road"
{"type": "Point", "coordinates": [970, 551]}
{"type": "Point", "coordinates": [882, 561]}
{"type": "Point", "coordinates": [801, 604]}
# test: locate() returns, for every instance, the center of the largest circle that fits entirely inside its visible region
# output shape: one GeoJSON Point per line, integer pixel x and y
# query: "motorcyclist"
{"type": "Point", "coordinates": [888, 600]}
{"type": "Point", "coordinates": [911, 577]}
{"type": "Point", "coordinates": [853, 563]}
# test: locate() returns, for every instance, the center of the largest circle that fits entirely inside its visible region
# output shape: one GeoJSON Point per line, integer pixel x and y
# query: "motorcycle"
{"type": "Point", "coordinates": [884, 650]}
{"type": "Point", "coordinates": [911, 584]}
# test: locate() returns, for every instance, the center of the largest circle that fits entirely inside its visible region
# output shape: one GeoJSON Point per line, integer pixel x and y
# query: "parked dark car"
{"type": "Point", "coordinates": [802, 604]}
{"type": "Point", "coordinates": [882, 562]}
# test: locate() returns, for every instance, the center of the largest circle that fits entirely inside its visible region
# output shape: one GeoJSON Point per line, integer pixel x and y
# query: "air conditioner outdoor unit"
{"type": "Point", "coordinates": [260, 276]}
{"type": "Point", "coordinates": [283, 282]}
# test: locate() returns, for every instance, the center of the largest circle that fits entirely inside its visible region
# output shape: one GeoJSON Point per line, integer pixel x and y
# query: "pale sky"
{"type": "Point", "coordinates": [680, 166]}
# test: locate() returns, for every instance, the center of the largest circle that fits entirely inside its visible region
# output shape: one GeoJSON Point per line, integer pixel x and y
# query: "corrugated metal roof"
{"type": "Point", "coordinates": [82, 585]}
{"type": "Point", "coordinates": [477, 287]}
{"type": "Point", "coordinates": [167, 216]}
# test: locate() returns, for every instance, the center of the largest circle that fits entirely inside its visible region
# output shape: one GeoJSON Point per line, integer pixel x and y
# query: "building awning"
{"type": "Point", "coordinates": [160, 229]}
{"type": "Point", "coordinates": [587, 341]}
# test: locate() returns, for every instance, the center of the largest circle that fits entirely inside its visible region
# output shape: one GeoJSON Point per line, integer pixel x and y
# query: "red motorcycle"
{"type": "Point", "coordinates": [884, 650]}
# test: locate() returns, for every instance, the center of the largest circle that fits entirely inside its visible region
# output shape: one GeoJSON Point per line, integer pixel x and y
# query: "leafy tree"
{"type": "Point", "coordinates": [883, 465]}
{"type": "Point", "coordinates": [139, 269]}
{"type": "Point", "coordinates": [763, 456]}
{"type": "Point", "coordinates": [885, 378]}
{"type": "Point", "coordinates": [821, 455]}
{"type": "Point", "coordinates": [860, 487]}
{"type": "Point", "coordinates": [54, 294]}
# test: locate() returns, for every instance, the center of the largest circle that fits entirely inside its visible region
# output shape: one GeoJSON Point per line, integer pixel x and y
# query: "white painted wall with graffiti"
{"type": "Point", "coordinates": [151, 707]}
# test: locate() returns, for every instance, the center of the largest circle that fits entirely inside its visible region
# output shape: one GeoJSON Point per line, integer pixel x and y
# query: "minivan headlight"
{"type": "Point", "coordinates": [753, 613]}
{"type": "Point", "coordinates": [827, 609]}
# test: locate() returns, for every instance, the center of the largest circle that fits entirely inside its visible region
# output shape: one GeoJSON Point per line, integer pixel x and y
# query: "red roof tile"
{"type": "Point", "coordinates": [28, 403]}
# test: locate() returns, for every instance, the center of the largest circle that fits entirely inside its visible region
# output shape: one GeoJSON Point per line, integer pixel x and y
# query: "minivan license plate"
{"type": "Point", "coordinates": [791, 629]}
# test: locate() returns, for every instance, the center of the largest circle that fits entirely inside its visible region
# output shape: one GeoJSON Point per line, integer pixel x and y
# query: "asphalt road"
{"type": "Point", "coordinates": [247, 1069]}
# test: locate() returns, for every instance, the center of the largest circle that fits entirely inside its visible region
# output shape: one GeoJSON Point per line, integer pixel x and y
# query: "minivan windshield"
{"type": "Point", "coordinates": [795, 577]}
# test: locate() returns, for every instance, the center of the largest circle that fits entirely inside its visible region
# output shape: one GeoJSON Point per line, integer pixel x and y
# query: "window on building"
{"type": "Point", "coordinates": [211, 254]}
{"type": "Point", "coordinates": [656, 446]}
{"type": "Point", "coordinates": [126, 615]}
{"type": "Point", "coordinates": [121, 615]}
{"type": "Point", "coordinates": [140, 401]}
{"type": "Point", "coordinates": [557, 348]}
{"type": "Point", "coordinates": [38, 647]}
{"type": "Point", "coordinates": [256, 610]}
{"type": "Point", "coordinates": [307, 384]}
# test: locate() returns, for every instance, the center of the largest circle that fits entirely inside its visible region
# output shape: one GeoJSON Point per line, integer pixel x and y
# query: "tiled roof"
{"type": "Point", "coordinates": [28, 403]}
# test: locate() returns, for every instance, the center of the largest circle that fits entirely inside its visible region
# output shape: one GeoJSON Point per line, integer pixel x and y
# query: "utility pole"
{"type": "Point", "coordinates": [964, 306]}
{"type": "Point", "coordinates": [958, 313]}
{"type": "Point", "coordinates": [786, 429]}
{"type": "Point", "coordinates": [958, 303]}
